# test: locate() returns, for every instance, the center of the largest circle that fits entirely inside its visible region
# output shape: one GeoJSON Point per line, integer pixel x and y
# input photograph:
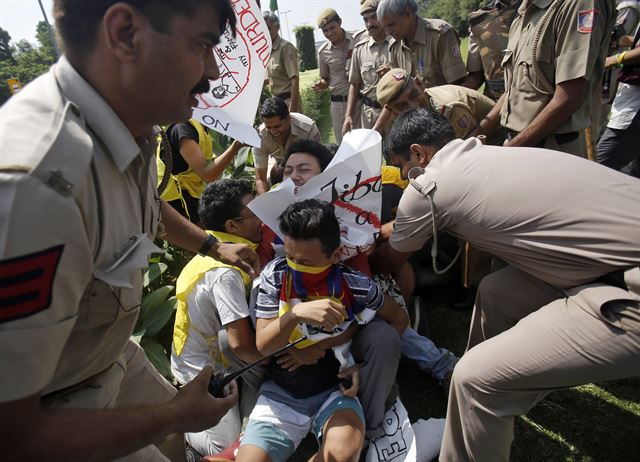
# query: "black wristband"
{"type": "Point", "coordinates": [204, 250]}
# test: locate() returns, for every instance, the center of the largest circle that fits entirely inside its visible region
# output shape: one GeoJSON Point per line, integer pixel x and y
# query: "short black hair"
{"type": "Point", "coordinates": [417, 126]}
{"type": "Point", "coordinates": [274, 107]}
{"type": "Point", "coordinates": [312, 219]}
{"type": "Point", "coordinates": [222, 201]}
{"type": "Point", "coordinates": [77, 20]}
{"type": "Point", "coordinates": [313, 148]}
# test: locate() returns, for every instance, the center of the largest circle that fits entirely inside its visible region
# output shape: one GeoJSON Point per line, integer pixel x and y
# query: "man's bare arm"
{"type": "Point", "coordinates": [567, 98]}
{"type": "Point", "coordinates": [30, 432]}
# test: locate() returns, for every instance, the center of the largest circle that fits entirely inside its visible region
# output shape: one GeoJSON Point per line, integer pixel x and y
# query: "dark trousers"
{"type": "Point", "coordinates": [618, 149]}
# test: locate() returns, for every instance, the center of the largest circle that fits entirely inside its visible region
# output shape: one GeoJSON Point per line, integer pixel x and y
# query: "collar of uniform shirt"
{"type": "Point", "coordinates": [121, 145]}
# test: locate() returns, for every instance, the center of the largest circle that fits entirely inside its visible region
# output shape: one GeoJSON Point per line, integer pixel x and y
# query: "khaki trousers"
{"type": "Point", "coordinates": [527, 339]}
{"type": "Point", "coordinates": [130, 381]}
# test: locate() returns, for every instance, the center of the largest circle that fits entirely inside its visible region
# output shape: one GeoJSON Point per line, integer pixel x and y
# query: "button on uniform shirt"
{"type": "Point", "coordinates": [562, 219]}
{"type": "Point", "coordinates": [334, 62]}
{"type": "Point", "coordinates": [571, 44]}
{"type": "Point", "coordinates": [434, 55]}
{"type": "Point", "coordinates": [302, 128]}
{"type": "Point", "coordinates": [368, 56]}
{"type": "Point", "coordinates": [283, 66]}
{"type": "Point", "coordinates": [463, 107]}
{"type": "Point", "coordinates": [78, 215]}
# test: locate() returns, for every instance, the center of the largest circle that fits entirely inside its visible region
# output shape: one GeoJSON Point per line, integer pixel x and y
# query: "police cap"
{"type": "Point", "coordinates": [368, 6]}
{"type": "Point", "coordinates": [391, 84]}
{"type": "Point", "coordinates": [326, 16]}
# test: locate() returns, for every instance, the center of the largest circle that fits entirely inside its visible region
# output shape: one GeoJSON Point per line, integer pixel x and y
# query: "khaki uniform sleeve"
{"type": "Point", "coordinates": [323, 67]}
{"type": "Point", "coordinates": [449, 57]}
{"type": "Point", "coordinates": [290, 61]}
{"type": "Point", "coordinates": [413, 226]}
{"type": "Point", "coordinates": [576, 52]}
{"type": "Point", "coordinates": [461, 119]}
{"type": "Point", "coordinates": [474, 63]}
{"type": "Point", "coordinates": [261, 154]}
{"type": "Point", "coordinates": [354, 71]}
{"type": "Point", "coordinates": [46, 263]}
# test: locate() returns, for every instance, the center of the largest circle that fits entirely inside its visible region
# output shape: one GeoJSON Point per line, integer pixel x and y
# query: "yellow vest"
{"type": "Point", "coordinates": [188, 180]}
{"type": "Point", "coordinates": [189, 277]}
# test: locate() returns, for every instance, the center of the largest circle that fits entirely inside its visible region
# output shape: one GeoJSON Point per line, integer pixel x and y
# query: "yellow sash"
{"type": "Point", "coordinates": [189, 277]}
{"type": "Point", "coordinates": [187, 180]}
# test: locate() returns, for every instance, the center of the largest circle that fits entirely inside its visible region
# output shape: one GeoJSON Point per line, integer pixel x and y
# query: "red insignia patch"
{"type": "Point", "coordinates": [587, 20]}
{"type": "Point", "coordinates": [399, 76]}
{"type": "Point", "coordinates": [26, 283]}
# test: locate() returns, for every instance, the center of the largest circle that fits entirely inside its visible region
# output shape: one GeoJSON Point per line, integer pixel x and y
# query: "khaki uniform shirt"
{"type": "Point", "coordinates": [334, 62]}
{"type": "Point", "coordinates": [544, 212]}
{"type": "Point", "coordinates": [569, 47]}
{"type": "Point", "coordinates": [79, 211]}
{"type": "Point", "coordinates": [302, 128]}
{"type": "Point", "coordinates": [283, 66]}
{"type": "Point", "coordinates": [463, 107]}
{"type": "Point", "coordinates": [368, 56]}
{"type": "Point", "coordinates": [434, 56]}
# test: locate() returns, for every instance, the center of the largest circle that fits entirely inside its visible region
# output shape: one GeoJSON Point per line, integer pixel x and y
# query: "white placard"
{"type": "Point", "coordinates": [230, 105]}
{"type": "Point", "coordinates": [351, 182]}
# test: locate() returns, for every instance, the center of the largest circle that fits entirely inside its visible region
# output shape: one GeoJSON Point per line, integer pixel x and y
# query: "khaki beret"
{"type": "Point", "coordinates": [368, 6]}
{"type": "Point", "coordinates": [326, 16]}
{"type": "Point", "coordinates": [391, 84]}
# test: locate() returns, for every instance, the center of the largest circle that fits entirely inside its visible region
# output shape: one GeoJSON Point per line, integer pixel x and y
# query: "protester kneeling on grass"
{"type": "Point", "coordinates": [212, 317]}
{"type": "Point", "coordinates": [310, 293]}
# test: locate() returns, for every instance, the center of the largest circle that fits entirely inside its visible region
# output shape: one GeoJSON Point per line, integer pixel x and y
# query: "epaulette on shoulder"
{"type": "Point", "coordinates": [361, 42]}
{"type": "Point", "coordinates": [59, 151]}
{"type": "Point", "coordinates": [323, 46]}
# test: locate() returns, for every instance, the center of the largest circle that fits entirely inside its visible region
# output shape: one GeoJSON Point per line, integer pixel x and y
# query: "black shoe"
{"type": "Point", "coordinates": [465, 299]}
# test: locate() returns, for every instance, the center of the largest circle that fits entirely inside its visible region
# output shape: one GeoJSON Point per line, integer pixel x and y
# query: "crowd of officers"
{"type": "Point", "coordinates": [541, 63]}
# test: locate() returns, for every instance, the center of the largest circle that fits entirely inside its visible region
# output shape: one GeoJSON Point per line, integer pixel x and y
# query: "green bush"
{"type": "Point", "coordinates": [316, 106]}
{"type": "Point", "coordinates": [306, 47]}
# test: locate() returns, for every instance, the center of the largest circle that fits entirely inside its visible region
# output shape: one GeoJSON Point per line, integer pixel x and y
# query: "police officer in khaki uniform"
{"type": "Point", "coordinates": [334, 59]}
{"type": "Point", "coordinates": [488, 36]}
{"type": "Point", "coordinates": [566, 309]}
{"type": "Point", "coordinates": [369, 61]}
{"type": "Point", "coordinates": [428, 48]}
{"type": "Point", "coordinates": [80, 213]}
{"type": "Point", "coordinates": [462, 107]}
{"type": "Point", "coordinates": [278, 130]}
{"type": "Point", "coordinates": [283, 73]}
{"type": "Point", "coordinates": [553, 72]}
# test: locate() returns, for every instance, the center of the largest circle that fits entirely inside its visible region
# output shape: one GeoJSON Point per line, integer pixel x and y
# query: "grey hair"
{"type": "Point", "coordinates": [395, 8]}
{"type": "Point", "coordinates": [271, 16]}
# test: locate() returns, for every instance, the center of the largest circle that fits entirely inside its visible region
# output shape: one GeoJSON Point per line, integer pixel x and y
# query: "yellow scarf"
{"type": "Point", "coordinates": [189, 277]}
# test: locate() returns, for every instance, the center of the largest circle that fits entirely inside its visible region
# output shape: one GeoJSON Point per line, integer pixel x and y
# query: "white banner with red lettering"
{"type": "Point", "coordinates": [351, 182]}
{"type": "Point", "coordinates": [232, 101]}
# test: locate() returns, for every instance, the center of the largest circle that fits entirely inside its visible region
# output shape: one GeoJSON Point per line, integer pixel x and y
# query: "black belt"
{"type": "Point", "coordinates": [284, 96]}
{"type": "Point", "coordinates": [561, 138]}
{"type": "Point", "coordinates": [339, 98]}
{"type": "Point", "coordinates": [371, 102]}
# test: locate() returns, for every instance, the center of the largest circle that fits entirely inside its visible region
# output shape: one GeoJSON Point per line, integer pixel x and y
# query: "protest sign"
{"type": "Point", "coordinates": [351, 182]}
{"type": "Point", "coordinates": [231, 103]}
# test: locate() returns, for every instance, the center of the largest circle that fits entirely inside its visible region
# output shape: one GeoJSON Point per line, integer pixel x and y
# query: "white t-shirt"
{"type": "Point", "coordinates": [218, 299]}
{"type": "Point", "coordinates": [625, 106]}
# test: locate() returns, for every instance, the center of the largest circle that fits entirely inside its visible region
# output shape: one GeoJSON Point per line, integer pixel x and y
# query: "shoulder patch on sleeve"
{"type": "Point", "coordinates": [26, 283]}
{"type": "Point", "coordinates": [587, 20]}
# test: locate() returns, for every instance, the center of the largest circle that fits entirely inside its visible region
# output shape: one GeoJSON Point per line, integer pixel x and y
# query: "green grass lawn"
{"type": "Point", "coordinates": [591, 423]}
